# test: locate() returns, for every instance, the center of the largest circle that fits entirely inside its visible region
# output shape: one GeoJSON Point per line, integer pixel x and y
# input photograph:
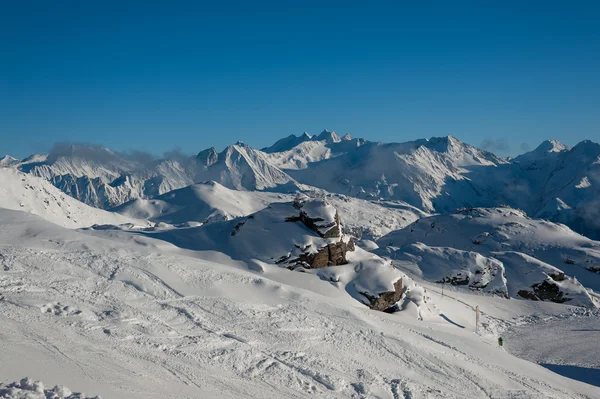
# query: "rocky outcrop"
{"type": "Point", "coordinates": [330, 255]}
{"type": "Point", "coordinates": [544, 291]}
{"type": "Point", "coordinates": [386, 301]}
{"type": "Point", "coordinates": [459, 279]}
{"type": "Point", "coordinates": [322, 223]}
{"type": "Point", "coordinates": [321, 218]}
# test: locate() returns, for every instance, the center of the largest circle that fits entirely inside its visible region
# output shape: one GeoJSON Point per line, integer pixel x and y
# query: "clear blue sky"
{"type": "Point", "coordinates": [156, 75]}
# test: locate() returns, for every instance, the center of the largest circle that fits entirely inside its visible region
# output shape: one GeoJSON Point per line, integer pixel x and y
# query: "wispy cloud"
{"type": "Point", "coordinates": [495, 145]}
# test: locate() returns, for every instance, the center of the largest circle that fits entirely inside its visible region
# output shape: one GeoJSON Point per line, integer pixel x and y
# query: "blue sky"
{"type": "Point", "coordinates": [157, 75]}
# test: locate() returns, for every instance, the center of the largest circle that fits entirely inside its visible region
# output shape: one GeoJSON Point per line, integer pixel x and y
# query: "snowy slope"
{"type": "Point", "coordinates": [7, 160]}
{"type": "Point", "coordinates": [370, 219]}
{"type": "Point", "coordinates": [299, 152]}
{"type": "Point", "coordinates": [548, 149]}
{"type": "Point", "coordinates": [202, 202]}
{"type": "Point", "coordinates": [553, 182]}
{"type": "Point", "coordinates": [496, 241]}
{"type": "Point", "coordinates": [273, 236]}
{"type": "Point", "coordinates": [210, 202]}
{"type": "Point", "coordinates": [20, 191]}
{"type": "Point", "coordinates": [240, 167]}
{"type": "Point", "coordinates": [415, 172]}
{"type": "Point", "coordinates": [124, 316]}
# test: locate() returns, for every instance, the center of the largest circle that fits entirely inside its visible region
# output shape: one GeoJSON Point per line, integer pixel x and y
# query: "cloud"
{"type": "Point", "coordinates": [97, 153]}
{"type": "Point", "coordinates": [491, 144]}
{"type": "Point", "coordinates": [525, 147]}
{"type": "Point", "coordinates": [176, 154]}
{"type": "Point", "coordinates": [89, 151]}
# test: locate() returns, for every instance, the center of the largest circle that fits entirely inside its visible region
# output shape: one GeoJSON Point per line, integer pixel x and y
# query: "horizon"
{"type": "Point", "coordinates": [141, 77]}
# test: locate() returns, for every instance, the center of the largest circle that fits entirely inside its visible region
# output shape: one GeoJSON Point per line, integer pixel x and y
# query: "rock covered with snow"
{"type": "Point", "coordinates": [30, 389]}
{"type": "Point", "coordinates": [318, 215]}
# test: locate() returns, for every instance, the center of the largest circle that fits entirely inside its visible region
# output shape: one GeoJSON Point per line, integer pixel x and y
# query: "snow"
{"type": "Point", "coordinates": [530, 251]}
{"type": "Point", "coordinates": [211, 202]}
{"type": "Point", "coordinates": [20, 191]}
{"type": "Point", "coordinates": [7, 160]}
{"type": "Point", "coordinates": [584, 183]}
{"type": "Point", "coordinates": [29, 389]}
{"type": "Point", "coordinates": [163, 321]}
{"type": "Point", "coordinates": [439, 174]}
{"type": "Point", "coordinates": [202, 202]}
{"type": "Point", "coordinates": [201, 303]}
{"type": "Point", "coordinates": [548, 148]}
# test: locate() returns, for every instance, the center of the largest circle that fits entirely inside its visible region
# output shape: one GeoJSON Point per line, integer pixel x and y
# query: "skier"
{"type": "Point", "coordinates": [500, 341]}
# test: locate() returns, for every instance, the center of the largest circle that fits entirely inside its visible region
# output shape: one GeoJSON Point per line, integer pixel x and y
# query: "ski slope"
{"type": "Point", "coordinates": [122, 315]}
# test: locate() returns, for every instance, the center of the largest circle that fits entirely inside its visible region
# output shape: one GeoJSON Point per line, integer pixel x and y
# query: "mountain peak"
{"type": "Point", "coordinates": [287, 143]}
{"type": "Point", "coordinates": [588, 148]}
{"type": "Point", "coordinates": [552, 146]}
{"type": "Point", "coordinates": [330, 137]}
{"type": "Point", "coordinates": [442, 144]}
{"type": "Point", "coordinates": [347, 137]}
{"type": "Point", "coordinates": [7, 160]}
{"type": "Point", "coordinates": [208, 157]}
{"type": "Point", "coordinates": [546, 149]}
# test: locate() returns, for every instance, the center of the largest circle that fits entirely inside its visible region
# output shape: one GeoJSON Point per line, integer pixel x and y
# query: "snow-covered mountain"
{"type": "Point", "coordinates": [553, 181]}
{"type": "Point", "coordinates": [212, 202]}
{"type": "Point", "coordinates": [548, 149]}
{"type": "Point", "coordinates": [200, 203]}
{"type": "Point", "coordinates": [240, 167]}
{"type": "Point", "coordinates": [502, 251]}
{"type": "Point", "coordinates": [7, 160]}
{"type": "Point", "coordinates": [24, 192]}
{"type": "Point", "coordinates": [416, 172]}
{"type": "Point", "coordinates": [102, 178]}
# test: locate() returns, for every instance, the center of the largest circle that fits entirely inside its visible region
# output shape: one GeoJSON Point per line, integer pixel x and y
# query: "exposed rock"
{"type": "Point", "coordinates": [386, 300]}
{"type": "Point", "coordinates": [528, 295]}
{"type": "Point", "coordinates": [325, 226]}
{"type": "Point", "coordinates": [544, 291]}
{"type": "Point", "coordinates": [330, 255]}
{"type": "Point", "coordinates": [559, 276]}
{"type": "Point", "coordinates": [456, 280]}
{"type": "Point", "coordinates": [239, 225]}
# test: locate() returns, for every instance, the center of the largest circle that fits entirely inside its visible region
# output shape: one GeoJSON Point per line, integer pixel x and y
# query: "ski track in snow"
{"type": "Point", "coordinates": [127, 321]}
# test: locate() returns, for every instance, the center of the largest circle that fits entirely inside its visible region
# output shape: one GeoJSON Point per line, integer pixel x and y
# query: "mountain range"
{"type": "Point", "coordinates": [436, 175]}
